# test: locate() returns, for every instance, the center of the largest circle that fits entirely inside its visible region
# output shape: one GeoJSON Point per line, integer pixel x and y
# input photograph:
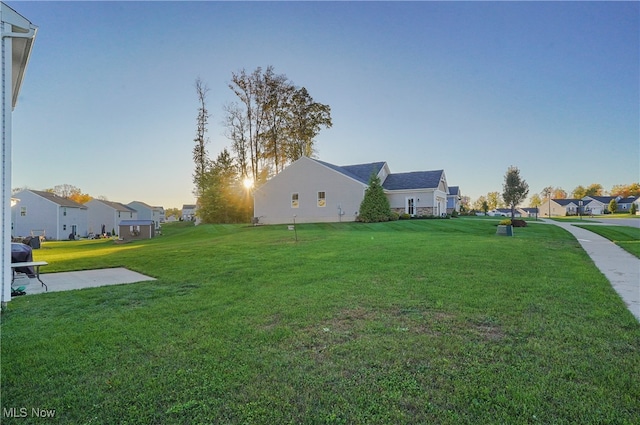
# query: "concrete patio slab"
{"type": "Point", "coordinates": [66, 281]}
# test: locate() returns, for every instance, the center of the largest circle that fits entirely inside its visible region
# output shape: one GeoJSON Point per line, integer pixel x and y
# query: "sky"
{"type": "Point", "coordinates": [108, 103]}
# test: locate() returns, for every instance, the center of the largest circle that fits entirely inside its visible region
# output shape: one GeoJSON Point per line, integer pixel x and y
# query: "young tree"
{"type": "Point", "coordinates": [375, 205]}
{"type": "Point", "coordinates": [515, 189]}
{"type": "Point", "coordinates": [634, 209]}
{"type": "Point", "coordinates": [613, 206]}
{"type": "Point", "coordinates": [199, 150]}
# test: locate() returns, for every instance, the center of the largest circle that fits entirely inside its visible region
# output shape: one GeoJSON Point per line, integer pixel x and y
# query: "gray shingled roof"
{"type": "Point", "coordinates": [399, 181]}
{"type": "Point", "coordinates": [64, 202]}
{"type": "Point", "coordinates": [359, 172]}
{"type": "Point", "coordinates": [565, 202]}
{"type": "Point", "coordinates": [413, 180]}
{"type": "Point", "coordinates": [453, 190]}
{"type": "Point", "coordinates": [117, 206]}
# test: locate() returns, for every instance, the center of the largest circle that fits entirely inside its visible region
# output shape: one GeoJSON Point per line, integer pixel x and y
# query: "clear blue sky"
{"type": "Point", "coordinates": [108, 103]}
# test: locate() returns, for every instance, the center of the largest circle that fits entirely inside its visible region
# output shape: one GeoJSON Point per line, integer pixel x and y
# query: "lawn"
{"type": "Point", "coordinates": [413, 322]}
{"type": "Point", "coordinates": [625, 237]}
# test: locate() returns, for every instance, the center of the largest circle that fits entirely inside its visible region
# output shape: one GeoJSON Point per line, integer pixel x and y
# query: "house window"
{"type": "Point", "coordinates": [294, 200]}
{"type": "Point", "coordinates": [64, 211]}
{"type": "Point", "coordinates": [23, 211]}
{"type": "Point", "coordinates": [64, 227]}
{"type": "Point", "coordinates": [322, 199]}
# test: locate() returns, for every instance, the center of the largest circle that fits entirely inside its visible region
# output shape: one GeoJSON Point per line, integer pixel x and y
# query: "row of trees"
{"type": "Point", "coordinates": [271, 123]}
{"type": "Point", "coordinates": [493, 200]}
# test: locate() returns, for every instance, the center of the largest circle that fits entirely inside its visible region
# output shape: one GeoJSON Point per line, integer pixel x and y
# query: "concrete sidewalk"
{"type": "Point", "coordinates": [621, 268]}
{"type": "Point", "coordinates": [66, 281]}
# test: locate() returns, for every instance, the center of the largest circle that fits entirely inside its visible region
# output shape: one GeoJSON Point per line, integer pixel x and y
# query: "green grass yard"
{"type": "Point", "coordinates": [417, 321]}
{"type": "Point", "coordinates": [628, 238]}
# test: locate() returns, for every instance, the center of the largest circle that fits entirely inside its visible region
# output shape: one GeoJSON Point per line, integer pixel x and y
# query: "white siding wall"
{"type": "Point", "coordinates": [70, 217]}
{"type": "Point", "coordinates": [435, 201]}
{"type": "Point", "coordinates": [41, 214]}
{"type": "Point", "coordinates": [99, 214]}
{"type": "Point", "coordinates": [306, 178]}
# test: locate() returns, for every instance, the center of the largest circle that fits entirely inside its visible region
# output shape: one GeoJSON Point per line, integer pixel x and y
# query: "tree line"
{"type": "Point", "coordinates": [493, 200]}
{"type": "Point", "coordinates": [270, 124]}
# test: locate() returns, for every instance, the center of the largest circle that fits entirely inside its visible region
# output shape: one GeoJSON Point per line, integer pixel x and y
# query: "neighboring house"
{"type": "Point", "coordinates": [597, 204]}
{"type": "Point", "coordinates": [105, 216]}
{"type": "Point", "coordinates": [129, 230]}
{"type": "Point", "coordinates": [188, 212]}
{"type": "Point", "coordinates": [528, 212]}
{"type": "Point", "coordinates": [624, 204]}
{"type": "Point", "coordinates": [503, 212]}
{"type": "Point", "coordinates": [561, 207]}
{"type": "Point", "coordinates": [454, 198]}
{"type": "Point", "coordinates": [147, 212]}
{"type": "Point", "coordinates": [311, 191]}
{"type": "Point", "coordinates": [45, 212]}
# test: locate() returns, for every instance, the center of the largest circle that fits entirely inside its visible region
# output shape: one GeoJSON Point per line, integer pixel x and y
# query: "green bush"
{"type": "Point", "coordinates": [404, 216]}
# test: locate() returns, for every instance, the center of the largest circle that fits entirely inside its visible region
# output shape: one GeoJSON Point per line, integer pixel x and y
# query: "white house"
{"type": "Point", "coordinates": [188, 212]}
{"type": "Point", "coordinates": [312, 191]}
{"type": "Point", "coordinates": [147, 212]}
{"type": "Point", "coordinates": [18, 35]}
{"type": "Point", "coordinates": [454, 198]}
{"type": "Point", "coordinates": [46, 213]}
{"type": "Point", "coordinates": [105, 216]}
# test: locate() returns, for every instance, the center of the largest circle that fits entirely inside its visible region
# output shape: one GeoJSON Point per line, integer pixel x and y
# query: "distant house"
{"type": "Point", "coordinates": [454, 199]}
{"type": "Point", "coordinates": [502, 212]}
{"type": "Point", "coordinates": [564, 207]}
{"type": "Point", "coordinates": [310, 190]}
{"type": "Point", "coordinates": [624, 204]}
{"type": "Point", "coordinates": [129, 230]}
{"type": "Point", "coordinates": [147, 212]}
{"type": "Point", "coordinates": [188, 212]}
{"type": "Point", "coordinates": [105, 216]}
{"type": "Point", "coordinates": [45, 213]}
{"type": "Point", "coordinates": [597, 204]}
{"type": "Point", "coordinates": [528, 212]}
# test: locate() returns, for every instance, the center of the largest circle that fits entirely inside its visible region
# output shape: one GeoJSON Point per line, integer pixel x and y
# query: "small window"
{"type": "Point", "coordinates": [294, 200]}
{"type": "Point", "coordinates": [23, 211]}
{"type": "Point", "coordinates": [64, 227]}
{"type": "Point", "coordinates": [322, 199]}
{"type": "Point", "coordinates": [64, 212]}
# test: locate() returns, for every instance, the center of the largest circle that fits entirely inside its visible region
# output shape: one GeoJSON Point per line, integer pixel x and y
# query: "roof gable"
{"type": "Point", "coordinates": [565, 202]}
{"type": "Point", "coordinates": [359, 172]}
{"type": "Point", "coordinates": [63, 202]}
{"type": "Point", "coordinates": [116, 205]}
